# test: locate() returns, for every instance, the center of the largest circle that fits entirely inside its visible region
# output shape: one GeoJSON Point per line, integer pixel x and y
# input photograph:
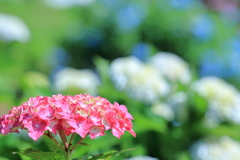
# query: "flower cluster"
{"type": "Point", "coordinates": [223, 99]}
{"type": "Point", "coordinates": [149, 81]}
{"type": "Point", "coordinates": [12, 28]}
{"type": "Point", "coordinates": [220, 149]}
{"type": "Point", "coordinates": [171, 66]}
{"type": "Point", "coordinates": [141, 81]}
{"type": "Point", "coordinates": [81, 114]}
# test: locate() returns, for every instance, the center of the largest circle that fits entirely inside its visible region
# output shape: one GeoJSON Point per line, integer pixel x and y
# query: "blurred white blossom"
{"type": "Point", "coordinates": [142, 158]}
{"type": "Point", "coordinates": [122, 69]}
{"type": "Point", "coordinates": [177, 98]}
{"type": "Point", "coordinates": [171, 66]}
{"type": "Point", "coordinates": [223, 98]}
{"type": "Point", "coordinates": [223, 148]}
{"type": "Point", "coordinates": [139, 80]}
{"type": "Point", "coordinates": [164, 110]}
{"type": "Point", "coordinates": [68, 3]}
{"type": "Point", "coordinates": [84, 80]}
{"type": "Point", "coordinates": [13, 28]}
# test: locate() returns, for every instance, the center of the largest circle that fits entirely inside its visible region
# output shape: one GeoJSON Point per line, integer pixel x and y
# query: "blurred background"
{"type": "Point", "coordinates": [174, 63]}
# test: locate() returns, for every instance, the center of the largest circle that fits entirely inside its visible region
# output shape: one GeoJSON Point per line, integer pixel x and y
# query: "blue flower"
{"type": "Point", "coordinates": [181, 3]}
{"type": "Point", "coordinates": [130, 16]}
{"type": "Point", "coordinates": [59, 57]}
{"type": "Point", "coordinates": [236, 44]}
{"type": "Point", "coordinates": [141, 51]}
{"type": "Point", "coordinates": [93, 39]}
{"type": "Point", "coordinates": [234, 56]}
{"type": "Point", "coordinates": [235, 63]}
{"type": "Point", "coordinates": [110, 3]}
{"type": "Point", "coordinates": [202, 27]}
{"type": "Point", "coordinates": [212, 64]}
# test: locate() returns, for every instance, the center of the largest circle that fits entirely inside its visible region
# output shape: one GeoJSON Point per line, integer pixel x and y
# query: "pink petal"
{"type": "Point", "coordinates": [96, 131]}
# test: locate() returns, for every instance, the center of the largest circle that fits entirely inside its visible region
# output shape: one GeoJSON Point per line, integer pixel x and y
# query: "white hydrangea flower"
{"type": "Point", "coordinates": [13, 28]}
{"type": "Point", "coordinates": [177, 98]}
{"type": "Point", "coordinates": [139, 80]}
{"type": "Point", "coordinates": [85, 80]}
{"type": "Point", "coordinates": [223, 98]}
{"type": "Point", "coordinates": [142, 158]}
{"type": "Point", "coordinates": [171, 66]}
{"type": "Point", "coordinates": [68, 3]}
{"type": "Point", "coordinates": [147, 85]}
{"type": "Point", "coordinates": [164, 110]}
{"type": "Point", "coordinates": [224, 148]}
{"type": "Point", "coordinates": [122, 69]}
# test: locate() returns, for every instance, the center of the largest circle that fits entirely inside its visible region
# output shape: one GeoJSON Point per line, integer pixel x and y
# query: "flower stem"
{"type": "Point", "coordinates": [63, 137]}
{"type": "Point", "coordinates": [67, 152]}
{"type": "Point", "coordinates": [71, 139]}
{"type": "Point", "coordinates": [68, 155]}
{"type": "Point", "coordinates": [77, 144]}
{"type": "Point", "coordinates": [49, 134]}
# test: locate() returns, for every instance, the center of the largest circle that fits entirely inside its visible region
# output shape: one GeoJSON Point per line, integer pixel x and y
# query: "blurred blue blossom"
{"type": "Point", "coordinates": [94, 39]}
{"type": "Point", "coordinates": [235, 44]}
{"type": "Point", "coordinates": [181, 4]}
{"type": "Point", "coordinates": [91, 37]}
{"type": "Point", "coordinates": [224, 67]}
{"type": "Point", "coordinates": [141, 51]}
{"type": "Point", "coordinates": [202, 27]}
{"type": "Point", "coordinates": [235, 63]}
{"type": "Point", "coordinates": [130, 16]}
{"type": "Point", "coordinates": [234, 57]}
{"type": "Point", "coordinates": [59, 57]}
{"type": "Point", "coordinates": [212, 64]}
{"type": "Point", "coordinates": [113, 4]}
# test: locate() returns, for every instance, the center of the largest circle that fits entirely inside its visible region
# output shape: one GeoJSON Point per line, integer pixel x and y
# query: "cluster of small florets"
{"type": "Point", "coordinates": [81, 114]}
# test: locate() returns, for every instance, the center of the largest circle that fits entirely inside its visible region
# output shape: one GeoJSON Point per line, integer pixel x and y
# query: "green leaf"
{"type": "Point", "coordinates": [3, 158]}
{"type": "Point", "coordinates": [39, 155]}
{"type": "Point", "coordinates": [105, 156]}
{"type": "Point", "coordinates": [80, 144]}
{"type": "Point", "coordinates": [144, 123]}
{"type": "Point", "coordinates": [54, 148]}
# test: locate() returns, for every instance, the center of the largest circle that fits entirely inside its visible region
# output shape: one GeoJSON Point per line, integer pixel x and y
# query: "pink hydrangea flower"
{"type": "Point", "coordinates": [81, 114]}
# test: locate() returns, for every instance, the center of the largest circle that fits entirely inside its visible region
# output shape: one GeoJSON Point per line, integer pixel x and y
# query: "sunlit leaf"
{"type": "Point", "coordinates": [39, 155]}
{"type": "Point", "coordinates": [105, 156]}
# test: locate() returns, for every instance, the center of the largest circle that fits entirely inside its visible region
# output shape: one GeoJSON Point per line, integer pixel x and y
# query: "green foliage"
{"type": "Point", "coordinates": [104, 156]}
{"type": "Point", "coordinates": [39, 155]}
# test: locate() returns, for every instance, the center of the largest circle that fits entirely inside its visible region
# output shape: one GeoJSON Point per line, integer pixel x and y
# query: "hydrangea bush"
{"type": "Point", "coordinates": [81, 115]}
